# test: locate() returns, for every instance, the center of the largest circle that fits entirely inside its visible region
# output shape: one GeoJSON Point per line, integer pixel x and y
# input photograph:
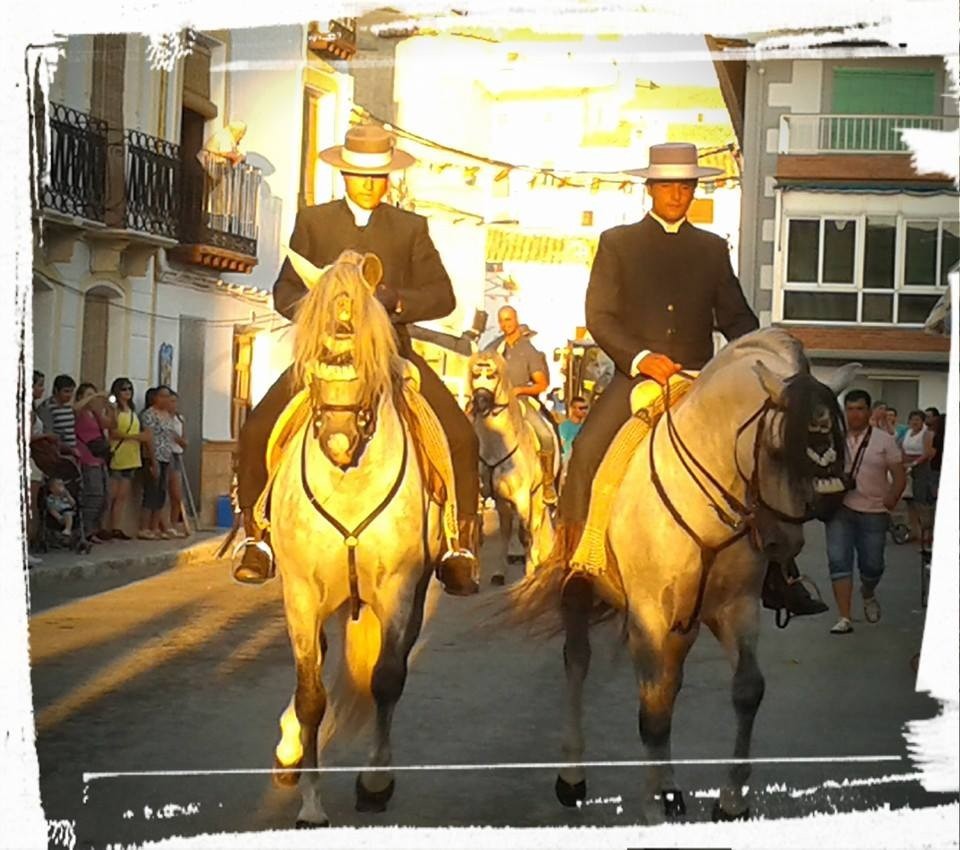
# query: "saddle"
{"type": "Point", "coordinates": [646, 407]}
{"type": "Point", "coordinates": [433, 451]}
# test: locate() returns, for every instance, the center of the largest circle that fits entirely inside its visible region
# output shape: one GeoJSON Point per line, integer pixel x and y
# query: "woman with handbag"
{"type": "Point", "coordinates": [93, 449]}
{"type": "Point", "coordinates": [125, 441]}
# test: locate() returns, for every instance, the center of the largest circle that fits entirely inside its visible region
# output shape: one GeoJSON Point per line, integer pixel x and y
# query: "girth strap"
{"type": "Point", "coordinates": [351, 537]}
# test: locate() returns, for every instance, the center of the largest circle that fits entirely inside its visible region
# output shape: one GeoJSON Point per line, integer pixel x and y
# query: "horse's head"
{"type": "Point", "coordinates": [489, 387]}
{"type": "Point", "coordinates": [799, 446]}
{"type": "Point", "coordinates": [345, 352]}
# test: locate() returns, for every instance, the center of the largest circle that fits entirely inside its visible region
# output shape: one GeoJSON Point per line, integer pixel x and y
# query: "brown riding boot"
{"type": "Point", "coordinates": [256, 565]}
{"type": "Point", "coordinates": [549, 488]}
{"type": "Point", "coordinates": [458, 570]}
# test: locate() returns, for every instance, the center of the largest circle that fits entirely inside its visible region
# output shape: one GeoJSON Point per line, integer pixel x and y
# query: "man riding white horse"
{"type": "Point", "coordinates": [528, 375]}
{"type": "Point", "coordinates": [657, 290]}
{"type": "Point", "coordinates": [415, 287]}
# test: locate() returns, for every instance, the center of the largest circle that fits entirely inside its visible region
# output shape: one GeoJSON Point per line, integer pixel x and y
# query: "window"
{"type": "Point", "coordinates": [876, 269]}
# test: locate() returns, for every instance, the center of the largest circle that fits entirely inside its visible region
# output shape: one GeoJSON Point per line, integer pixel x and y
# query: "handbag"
{"type": "Point", "coordinates": [100, 448]}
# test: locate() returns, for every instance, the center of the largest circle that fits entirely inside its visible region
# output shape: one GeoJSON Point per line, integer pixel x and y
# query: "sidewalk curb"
{"type": "Point", "coordinates": [131, 566]}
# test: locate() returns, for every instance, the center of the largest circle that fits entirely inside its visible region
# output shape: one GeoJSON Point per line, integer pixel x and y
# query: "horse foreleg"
{"type": "Point", "coordinates": [540, 536]}
{"type": "Point", "coordinates": [571, 785]}
{"type": "Point", "coordinates": [501, 558]}
{"type": "Point", "coordinates": [301, 720]}
{"type": "Point", "coordinates": [401, 619]}
{"type": "Point", "coordinates": [736, 627]}
{"type": "Point", "coordinates": [658, 657]}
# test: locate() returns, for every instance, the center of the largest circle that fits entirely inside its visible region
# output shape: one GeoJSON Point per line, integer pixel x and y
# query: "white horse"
{"type": "Point", "coordinates": [720, 485]}
{"type": "Point", "coordinates": [354, 533]}
{"type": "Point", "coordinates": [509, 461]}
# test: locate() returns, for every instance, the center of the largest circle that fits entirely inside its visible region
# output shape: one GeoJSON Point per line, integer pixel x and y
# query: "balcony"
{"type": "Point", "coordinates": [218, 227]}
{"type": "Point", "coordinates": [853, 149]}
{"type": "Point", "coordinates": [73, 164]}
{"type": "Point", "coordinates": [147, 188]}
{"type": "Point", "coordinates": [152, 183]}
{"type": "Point", "coordinates": [853, 134]}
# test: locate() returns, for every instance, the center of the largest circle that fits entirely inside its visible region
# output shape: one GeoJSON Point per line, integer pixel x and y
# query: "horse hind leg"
{"type": "Point", "coordinates": [400, 629]}
{"type": "Point", "coordinates": [736, 628]}
{"type": "Point", "coordinates": [658, 663]}
{"type": "Point", "coordinates": [571, 784]}
{"type": "Point", "coordinates": [296, 753]}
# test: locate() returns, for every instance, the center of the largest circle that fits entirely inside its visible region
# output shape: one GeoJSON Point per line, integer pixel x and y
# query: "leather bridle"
{"type": "Point", "coordinates": [739, 516]}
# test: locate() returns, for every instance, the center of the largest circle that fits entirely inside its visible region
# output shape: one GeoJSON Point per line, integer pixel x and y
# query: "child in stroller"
{"type": "Point", "coordinates": [59, 497]}
{"type": "Point", "coordinates": [61, 507]}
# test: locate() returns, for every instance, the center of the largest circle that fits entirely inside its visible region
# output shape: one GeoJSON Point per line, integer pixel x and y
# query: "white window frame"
{"type": "Point", "coordinates": [899, 287]}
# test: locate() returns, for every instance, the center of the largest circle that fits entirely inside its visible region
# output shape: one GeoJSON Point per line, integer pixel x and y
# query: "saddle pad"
{"type": "Point", "coordinates": [646, 401]}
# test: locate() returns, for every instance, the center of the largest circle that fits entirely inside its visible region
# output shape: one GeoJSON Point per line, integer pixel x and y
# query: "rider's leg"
{"type": "Point", "coordinates": [548, 442]}
{"type": "Point", "coordinates": [598, 431]}
{"type": "Point", "coordinates": [458, 571]}
{"type": "Point", "coordinates": [257, 562]}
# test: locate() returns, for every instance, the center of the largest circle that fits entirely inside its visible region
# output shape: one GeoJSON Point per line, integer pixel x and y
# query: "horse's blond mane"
{"type": "Point", "coordinates": [375, 354]}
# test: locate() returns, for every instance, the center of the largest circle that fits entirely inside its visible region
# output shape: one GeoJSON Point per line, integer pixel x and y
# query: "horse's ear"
{"type": "Point", "coordinates": [309, 273]}
{"type": "Point", "coordinates": [372, 270]}
{"type": "Point", "coordinates": [842, 377]}
{"type": "Point", "coordinates": [771, 382]}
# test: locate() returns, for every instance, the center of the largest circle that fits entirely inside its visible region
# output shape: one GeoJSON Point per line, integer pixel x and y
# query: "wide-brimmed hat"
{"type": "Point", "coordinates": [674, 161]}
{"type": "Point", "coordinates": [367, 149]}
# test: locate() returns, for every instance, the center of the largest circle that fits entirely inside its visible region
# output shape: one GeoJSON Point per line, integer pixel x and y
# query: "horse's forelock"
{"type": "Point", "coordinates": [375, 352]}
{"type": "Point", "coordinates": [496, 358]}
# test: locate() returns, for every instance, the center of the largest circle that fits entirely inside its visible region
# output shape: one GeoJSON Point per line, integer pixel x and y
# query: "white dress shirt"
{"type": "Point", "coordinates": [360, 215]}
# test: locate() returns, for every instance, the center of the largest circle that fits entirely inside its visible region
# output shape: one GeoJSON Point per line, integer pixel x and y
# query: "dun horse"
{"type": "Point", "coordinates": [721, 484]}
{"type": "Point", "coordinates": [354, 533]}
{"type": "Point", "coordinates": [509, 461]}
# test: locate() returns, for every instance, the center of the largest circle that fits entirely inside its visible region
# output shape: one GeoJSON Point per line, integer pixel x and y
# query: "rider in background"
{"type": "Point", "coordinates": [528, 374]}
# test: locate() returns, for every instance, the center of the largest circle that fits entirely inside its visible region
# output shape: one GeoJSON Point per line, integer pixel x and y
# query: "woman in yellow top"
{"type": "Point", "coordinates": [125, 441]}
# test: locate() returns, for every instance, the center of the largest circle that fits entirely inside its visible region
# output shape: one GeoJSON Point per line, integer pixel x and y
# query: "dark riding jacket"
{"type": "Point", "coordinates": [665, 293]}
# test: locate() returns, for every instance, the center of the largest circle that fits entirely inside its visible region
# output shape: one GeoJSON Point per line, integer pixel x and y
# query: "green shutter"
{"type": "Point", "coordinates": [861, 91]}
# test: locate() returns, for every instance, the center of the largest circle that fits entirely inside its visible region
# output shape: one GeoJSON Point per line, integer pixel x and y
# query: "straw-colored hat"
{"type": "Point", "coordinates": [674, 161]}
{"type": "Point", "coordinates": [367, 149]}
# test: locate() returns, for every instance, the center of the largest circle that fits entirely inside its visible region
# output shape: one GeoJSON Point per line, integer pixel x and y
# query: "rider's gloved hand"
{"type": "Point", "coordinates": [658, 366]}
{"type": "Point", "coordinates": [388, 297]}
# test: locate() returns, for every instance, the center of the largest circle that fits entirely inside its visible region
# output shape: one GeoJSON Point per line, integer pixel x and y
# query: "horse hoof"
{"type": "Point", "coordinates": [719, 815]}
{"type": "Point", "coordinates": [303, 824]}
{"type": "Point", "coordinates": [673, 806]}
{"type": "Point", "coordinates": [373, 801]}
{"type": "Point", "coordinates": [570, 795]}
{"type": "Point", "coordinates": [285, 776]}
{"type": "Point", "coordinates": [497, 580]}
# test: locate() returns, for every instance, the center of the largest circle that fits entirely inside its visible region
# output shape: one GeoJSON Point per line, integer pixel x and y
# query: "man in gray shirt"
{"type": "Point", "coordinates": [527, 372]}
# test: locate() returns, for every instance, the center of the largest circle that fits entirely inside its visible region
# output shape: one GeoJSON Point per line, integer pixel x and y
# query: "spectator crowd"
{"type": "Point", "coordinates": [88, 451]}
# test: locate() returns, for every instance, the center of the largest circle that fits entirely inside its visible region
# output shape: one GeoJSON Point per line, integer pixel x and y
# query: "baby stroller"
{"type": "Point", "coordinates": [48, 534]}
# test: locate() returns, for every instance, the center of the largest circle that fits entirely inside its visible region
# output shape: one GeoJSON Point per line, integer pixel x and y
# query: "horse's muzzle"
{"type": "Point", "coordinates": [483, 401]}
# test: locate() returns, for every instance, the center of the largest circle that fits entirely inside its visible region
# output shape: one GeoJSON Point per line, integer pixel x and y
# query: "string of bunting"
{"type": "Point", "coordinates": [547, 177]}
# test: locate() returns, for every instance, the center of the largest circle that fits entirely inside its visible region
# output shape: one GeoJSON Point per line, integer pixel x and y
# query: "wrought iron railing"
{"type": "Point", "coordinates": [814, 134]}
{"type": "Point", "coordinates": [221, 205]}
{"type": "Point", "coordinates": [152, 178]}
{"type": "Point", "coordinates": [73, 164]}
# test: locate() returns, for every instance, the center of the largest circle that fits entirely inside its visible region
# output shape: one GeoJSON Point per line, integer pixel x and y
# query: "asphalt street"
{"type": "Point", "coordinates": [187, 671]}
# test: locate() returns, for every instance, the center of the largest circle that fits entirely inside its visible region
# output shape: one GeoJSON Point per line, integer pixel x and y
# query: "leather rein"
{"type": "Point", "coordinates": [739, 516]}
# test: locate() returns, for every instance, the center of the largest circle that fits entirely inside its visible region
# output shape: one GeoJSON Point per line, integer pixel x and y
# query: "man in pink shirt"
{"type": "Point", "coordinates": [859, 526]}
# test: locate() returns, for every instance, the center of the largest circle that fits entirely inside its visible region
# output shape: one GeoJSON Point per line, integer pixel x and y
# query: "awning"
{"type": "Point", "coordinates": [865, 188]}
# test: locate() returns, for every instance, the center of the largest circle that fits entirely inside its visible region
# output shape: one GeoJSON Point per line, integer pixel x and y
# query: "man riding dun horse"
{"type": "Point", "coordinates": [657, 290]}
{"type": "Point", "coordinates": [415, 287]}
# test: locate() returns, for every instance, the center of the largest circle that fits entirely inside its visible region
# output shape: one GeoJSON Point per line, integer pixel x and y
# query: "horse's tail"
{"type": "Point", "coordinates": [350, 705]}
{"type": "Point", "coordinates": [536, 601]}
